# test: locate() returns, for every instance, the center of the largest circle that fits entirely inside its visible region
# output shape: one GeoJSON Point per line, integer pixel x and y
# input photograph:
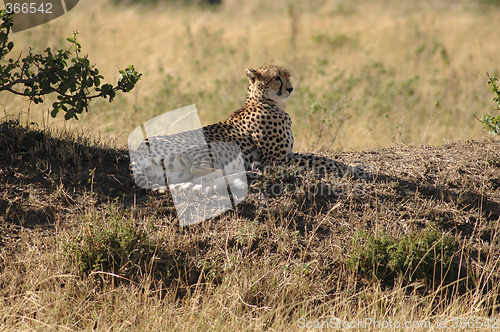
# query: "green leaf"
{"type": "Point", "coordinates": [85, 62]}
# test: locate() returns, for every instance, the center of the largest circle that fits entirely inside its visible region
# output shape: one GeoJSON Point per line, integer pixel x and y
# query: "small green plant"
{"type": "Point", "coordinates": [492, 122]}
{"type": "Point", "coordinates": [427, 256]}
{"type": "Point", "coordinates": [38, 75]}
{"type": "Point", "coordinates": [113, 244]}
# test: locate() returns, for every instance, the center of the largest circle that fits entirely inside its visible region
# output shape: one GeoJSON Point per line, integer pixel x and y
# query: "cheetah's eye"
{"type": "Point", "coordinates": [277, 78]}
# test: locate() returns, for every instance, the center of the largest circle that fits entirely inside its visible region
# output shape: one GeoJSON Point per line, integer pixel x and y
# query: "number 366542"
{"type": "Point", "coordinates": [29, 8]}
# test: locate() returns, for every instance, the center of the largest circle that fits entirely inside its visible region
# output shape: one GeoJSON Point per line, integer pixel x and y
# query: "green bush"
{"type": "Point", "coordinates": [492, 122]}
{"type": "Point", "coordinates": [114, 244]}
{"type": "Point", "coordinates": [38, 75]}
{"type": "Point", "coordinates": [425, 257]}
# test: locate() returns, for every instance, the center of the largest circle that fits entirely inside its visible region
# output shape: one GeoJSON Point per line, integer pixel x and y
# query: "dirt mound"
{"type": "Point", "coordinates": [47, 176]}
{"type": "Point", "coordinates": [50, 180]}
{"type": "Point", "coordinates": [421, 224]}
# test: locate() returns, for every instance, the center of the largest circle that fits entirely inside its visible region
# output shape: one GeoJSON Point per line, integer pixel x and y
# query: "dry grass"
{"type": "Point", "coordinates": [82, 248]}
{"type": "Point", "coordinates": [264, 266]}
{"type": "Point", "coordinates": [367, 74]}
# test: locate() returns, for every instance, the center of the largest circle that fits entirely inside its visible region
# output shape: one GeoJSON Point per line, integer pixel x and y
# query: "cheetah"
{"type": "Point", "coordinates": [260, 133]}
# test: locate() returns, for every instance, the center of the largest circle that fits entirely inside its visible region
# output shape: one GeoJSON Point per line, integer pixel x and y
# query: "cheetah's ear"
{"type": "Point", "coordinates": [252, 74]}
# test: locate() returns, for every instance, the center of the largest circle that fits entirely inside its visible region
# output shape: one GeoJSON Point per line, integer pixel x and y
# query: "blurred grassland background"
{"type": "Point", "coordinates": [367, 73]}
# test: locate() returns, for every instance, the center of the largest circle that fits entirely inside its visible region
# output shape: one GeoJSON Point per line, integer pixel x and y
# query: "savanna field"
{"type": "Point", "coordinates": [393, 85]}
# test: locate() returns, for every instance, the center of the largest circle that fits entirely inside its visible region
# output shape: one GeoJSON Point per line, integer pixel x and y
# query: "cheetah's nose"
{"type": "Point", "coordinates": [290, 89]}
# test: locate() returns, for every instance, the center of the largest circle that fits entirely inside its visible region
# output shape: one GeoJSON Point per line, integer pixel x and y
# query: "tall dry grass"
{"type": "Point", "coordinates": [368, 74]}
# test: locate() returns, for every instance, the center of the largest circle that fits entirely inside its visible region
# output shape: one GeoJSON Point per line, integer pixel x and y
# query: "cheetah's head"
{"type": "Point", "coordinates": [269, 82]}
